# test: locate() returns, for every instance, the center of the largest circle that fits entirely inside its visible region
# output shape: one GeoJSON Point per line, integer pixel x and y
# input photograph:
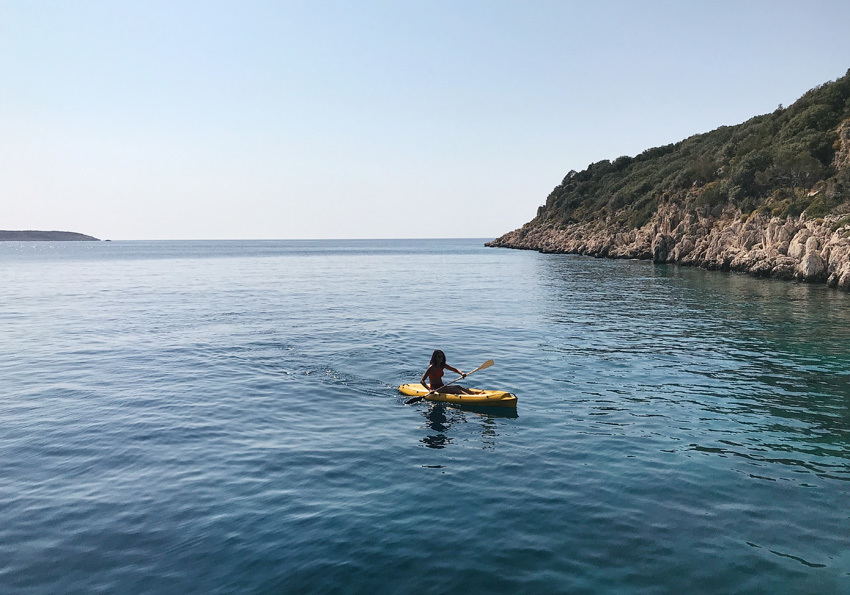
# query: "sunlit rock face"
{"type": "Point", "coordinates": [798, 248]}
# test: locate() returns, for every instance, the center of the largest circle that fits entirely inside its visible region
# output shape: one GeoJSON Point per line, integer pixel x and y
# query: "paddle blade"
{"type": "Point", "coordinates": [486, 364]}
{"type": "Point", "coordinates": [412, 400]}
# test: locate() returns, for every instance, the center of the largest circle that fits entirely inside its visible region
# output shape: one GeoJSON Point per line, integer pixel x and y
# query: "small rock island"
{"type": "Point", "coordinates": [769, 197]}
{"type": "Point", "coordinates": [44, 236]}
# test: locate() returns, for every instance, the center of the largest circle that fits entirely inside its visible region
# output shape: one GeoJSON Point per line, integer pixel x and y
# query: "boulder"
{"type": "Point", "coordinates": [683, 248]}
{"type": "Point", "coordinates": [811, 267]}
{"type": "Point", "coordinates": [812, 245]}
{"type": "Point", "coordinates": [662, 245]}
{"type": "Point", "coordinates": [797, 247]}
{"type": "Point", "coordinates": [841, 277]}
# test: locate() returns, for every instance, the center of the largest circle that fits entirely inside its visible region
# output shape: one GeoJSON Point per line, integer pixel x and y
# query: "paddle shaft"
{"type": "Point", "coordinates": [486, 364]}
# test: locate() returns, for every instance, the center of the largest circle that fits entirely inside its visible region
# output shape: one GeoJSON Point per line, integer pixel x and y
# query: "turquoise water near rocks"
{"type": "Point", "coordinates": [223, 417]}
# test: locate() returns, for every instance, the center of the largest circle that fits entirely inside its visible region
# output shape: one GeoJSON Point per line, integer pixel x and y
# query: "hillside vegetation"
{"type": "Point", "coordinates": [780, 164]}
{"type": "Point", "coordinates": [44, 236]}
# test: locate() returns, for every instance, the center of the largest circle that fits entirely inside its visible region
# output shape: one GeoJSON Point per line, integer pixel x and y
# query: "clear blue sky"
{"type": "Point", "coordinates": [368, 119]}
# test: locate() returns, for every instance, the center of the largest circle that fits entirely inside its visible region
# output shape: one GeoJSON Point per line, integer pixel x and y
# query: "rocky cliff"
{"type": "Point", "coordinates": [769, 197]}
{"type": "Point", "coordinates": [814, 250]}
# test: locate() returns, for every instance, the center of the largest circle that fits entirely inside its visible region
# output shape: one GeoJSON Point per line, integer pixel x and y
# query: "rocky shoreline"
{"type": "Point", "coordinates": [794, 248]}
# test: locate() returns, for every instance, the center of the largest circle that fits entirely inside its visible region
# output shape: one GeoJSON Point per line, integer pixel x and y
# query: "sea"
{"type": "Point", "coordinates": [224, 417]}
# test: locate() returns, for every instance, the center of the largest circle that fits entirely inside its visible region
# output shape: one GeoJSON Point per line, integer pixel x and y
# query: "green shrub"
{"type": "Point", "coordinates": [821, 206]}
{"type": "Point", "coordinates": [712, 195]}
{"type": "Point", "coordinates": [841, 223]}
{"type": "Point", "coordinates": [766, 164]}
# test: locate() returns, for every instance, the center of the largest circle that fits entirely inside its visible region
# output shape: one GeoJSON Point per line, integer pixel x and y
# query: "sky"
{"type": "Point", "coordinates": [152, 120]}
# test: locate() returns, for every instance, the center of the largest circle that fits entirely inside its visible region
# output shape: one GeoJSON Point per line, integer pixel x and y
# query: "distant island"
{"type": "Point", "coordinates": [770, 197]}
{"type": "Point", "coordinates": [45, 236]}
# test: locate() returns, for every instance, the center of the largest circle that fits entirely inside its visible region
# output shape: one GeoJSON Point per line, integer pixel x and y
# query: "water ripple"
{"type": "Point", "coordinates": [220, 417]}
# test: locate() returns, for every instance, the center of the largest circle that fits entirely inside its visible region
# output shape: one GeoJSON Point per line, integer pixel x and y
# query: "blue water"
{"type": "Point", "coordinates": [223, 417]}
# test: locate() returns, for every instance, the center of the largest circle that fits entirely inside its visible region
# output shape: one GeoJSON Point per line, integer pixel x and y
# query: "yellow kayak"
{"type": "Point", "coordinates": [487, 398]}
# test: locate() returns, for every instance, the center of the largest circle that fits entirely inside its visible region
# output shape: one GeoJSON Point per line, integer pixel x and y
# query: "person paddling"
{"type": "Point", "coordinates": [434, 374]}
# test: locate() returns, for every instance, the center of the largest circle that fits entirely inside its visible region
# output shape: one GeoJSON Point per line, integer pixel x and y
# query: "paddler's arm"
{"type": "Point", "coordinates": [424, 376]}
{"type": "Point", "coordinates": [455, 370]}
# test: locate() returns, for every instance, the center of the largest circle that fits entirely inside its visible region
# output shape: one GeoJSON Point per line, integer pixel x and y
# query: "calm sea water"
{"type": "Point", "coordinates": [223, 417]}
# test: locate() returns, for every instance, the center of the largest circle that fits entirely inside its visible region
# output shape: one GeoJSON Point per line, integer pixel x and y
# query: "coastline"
{"type": "Point", "coordinates": [44, 236]}
{"type": "Point", "coordinates": [794, 248]}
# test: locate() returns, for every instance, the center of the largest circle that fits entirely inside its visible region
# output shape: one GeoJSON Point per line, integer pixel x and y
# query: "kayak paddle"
{"type": "Point", "coordinates": [486, 364]}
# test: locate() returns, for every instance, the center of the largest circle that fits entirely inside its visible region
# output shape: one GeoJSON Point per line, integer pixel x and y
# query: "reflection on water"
{"type": "Point", "coordinates": [440, 418]}
{"type": "Point", "coordinates": [438, 422]}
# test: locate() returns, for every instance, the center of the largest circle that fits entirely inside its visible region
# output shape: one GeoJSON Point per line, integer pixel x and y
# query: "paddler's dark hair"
{"type": "Point", "coordinates": [438, 358]}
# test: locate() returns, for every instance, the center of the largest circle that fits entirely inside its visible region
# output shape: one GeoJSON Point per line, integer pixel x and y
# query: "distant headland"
{"type": "Point", "coordinates": [770, 197]}
{"type": "Point", "coordinates": [44, 236]}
